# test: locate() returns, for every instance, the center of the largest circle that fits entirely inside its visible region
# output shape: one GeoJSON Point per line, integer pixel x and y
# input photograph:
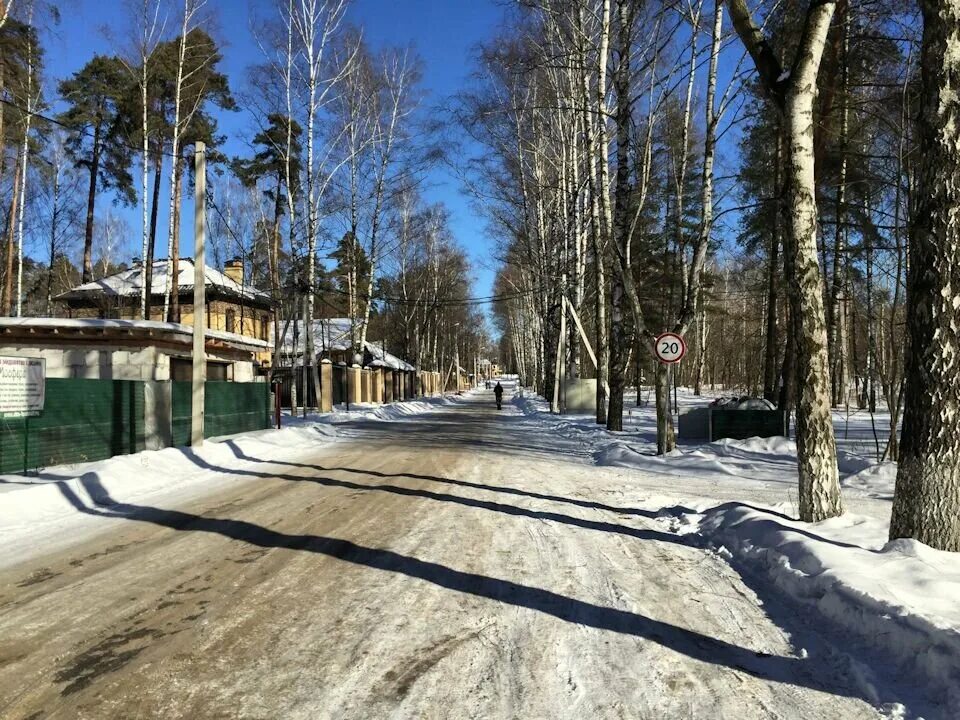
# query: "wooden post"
{"type": "Point", "coordinates": [558, 364]}
{"type": "Point", "coordinates": [199, 292]}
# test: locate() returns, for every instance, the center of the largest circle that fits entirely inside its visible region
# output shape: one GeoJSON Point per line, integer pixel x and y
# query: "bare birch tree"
{"type": "Point", "coordinates": [794, 92]}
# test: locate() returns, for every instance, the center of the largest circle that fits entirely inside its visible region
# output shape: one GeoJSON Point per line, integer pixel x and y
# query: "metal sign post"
{"type": "Point", "coordinates": [670, 348]}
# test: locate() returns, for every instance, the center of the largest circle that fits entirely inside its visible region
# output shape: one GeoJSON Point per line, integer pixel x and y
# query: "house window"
{"type": "Point", "coordinates": [265, 327]}
{"type": "Point", "coordinates": [231, 321]}
{"type": "Point", "coordinates": [217, 371]}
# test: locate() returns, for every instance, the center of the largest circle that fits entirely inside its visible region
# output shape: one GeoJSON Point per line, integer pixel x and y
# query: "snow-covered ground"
{"type": "Point", "coordinates": [895, 606]}
{"type": "Point", "coordinates": [38, 512]}
{"type": "Point", "coordinates": [900, 600]}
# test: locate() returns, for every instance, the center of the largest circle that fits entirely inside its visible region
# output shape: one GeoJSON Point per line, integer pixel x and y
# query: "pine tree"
{"type": "Point", "coordinates": [94, 94]}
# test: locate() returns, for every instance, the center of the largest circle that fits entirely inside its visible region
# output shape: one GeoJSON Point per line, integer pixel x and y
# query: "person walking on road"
{"type": "Point", "coordinates": [498, 391]}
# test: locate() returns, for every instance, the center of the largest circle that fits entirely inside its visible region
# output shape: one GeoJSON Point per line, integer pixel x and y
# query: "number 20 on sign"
{"type": "Point", "coordinates": [670, 348]}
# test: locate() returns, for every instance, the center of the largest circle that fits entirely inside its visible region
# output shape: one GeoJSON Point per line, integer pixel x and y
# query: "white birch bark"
{"type": "Point", "coordinates": [795, 93]}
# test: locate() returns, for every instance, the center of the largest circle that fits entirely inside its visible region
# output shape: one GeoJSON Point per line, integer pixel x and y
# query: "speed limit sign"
{"type": "Point", "coordinates": [670, 348]}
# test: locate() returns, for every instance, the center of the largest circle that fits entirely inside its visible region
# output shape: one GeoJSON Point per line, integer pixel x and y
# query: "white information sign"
{"type": "Point", "coordinates": [22, 385]}
{"type": "Point", "coordinates": [670, 348]}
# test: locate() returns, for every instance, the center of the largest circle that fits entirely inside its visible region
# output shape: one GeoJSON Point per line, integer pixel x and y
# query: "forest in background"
{"type": "Point", "coordinates": [328, 197]}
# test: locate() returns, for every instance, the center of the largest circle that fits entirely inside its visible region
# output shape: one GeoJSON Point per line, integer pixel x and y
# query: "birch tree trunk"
{"type": "Point", "coordinates": [604, 215]}
{"type": "Point", "coordinates": [171, 287]}
{"type": "Point", "coordinates": [795, 92]}
{"type": "Point", "coordinates": [619, 342]}
{"type": "Point", "coordinates": [145, 172]}
{"type": "Point", "coordinates": [816, 446]}
{"type": "Point", "coordinates": [926, 503]}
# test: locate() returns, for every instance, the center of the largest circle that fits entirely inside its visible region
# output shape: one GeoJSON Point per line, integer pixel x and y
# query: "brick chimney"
{"type": "Point", "coordinates": [234, 270]}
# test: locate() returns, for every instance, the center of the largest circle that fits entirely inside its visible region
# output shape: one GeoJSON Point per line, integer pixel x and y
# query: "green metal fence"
{"type": "Point", "coordinates": [86, 420]}
{"type": "Point", "coordinates": [742, 424]}
{"type": "Point", "coordinates": [82, 421]}
{"type": "Point", "coordinates": [229, 408]}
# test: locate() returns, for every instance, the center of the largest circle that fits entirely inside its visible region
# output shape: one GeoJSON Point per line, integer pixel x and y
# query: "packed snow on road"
{"type": "Point", "coordinates": [443, 559]}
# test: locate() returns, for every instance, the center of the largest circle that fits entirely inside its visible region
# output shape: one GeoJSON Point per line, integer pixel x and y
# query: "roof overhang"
{"type": "Point", "coordinates": [145, 332]}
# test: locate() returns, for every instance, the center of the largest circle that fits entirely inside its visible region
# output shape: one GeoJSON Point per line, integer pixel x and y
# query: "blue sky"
{"type": "Point", "coordinates": [444, 32]}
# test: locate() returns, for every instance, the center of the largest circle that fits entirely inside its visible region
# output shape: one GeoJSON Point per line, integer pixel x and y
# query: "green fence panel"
{"type": "Point", "coordinates": [181, 400]}
{"type": "Point", "coordinates": [82, 421]}
{"type": "Point", "coordinates": [229, 408]}
{"type": "Point", "coordinates": [742, 424]}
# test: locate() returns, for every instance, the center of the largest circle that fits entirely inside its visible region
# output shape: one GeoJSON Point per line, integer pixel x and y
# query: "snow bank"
{"type": "Point", "coordinates": [42, 512]}
{"type": "Point", "coordinates": [47, 510]}
{"type": "Point", "coordinates": [900, 598]}
{"type": "Point", "coordinates": [393, 411]}
{"type": "Point", "coordinates": [876, 481]}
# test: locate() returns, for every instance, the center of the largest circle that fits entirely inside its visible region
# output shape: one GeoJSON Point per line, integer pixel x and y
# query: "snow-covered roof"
{"type": "Point", "coordinates": [381, 358]}
{"type": "Point", "coordinates": [333, 335]}
{"type": "Point", "coordinates": [80, 324]}
{"type": "Point", "coordinates": [330, 334]}
{"type": "Point", "coordinates": [126, 283]}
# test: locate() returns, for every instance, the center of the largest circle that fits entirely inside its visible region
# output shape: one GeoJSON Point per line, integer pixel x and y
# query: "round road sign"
{"type": "Point", "coordinates": [670, 348]}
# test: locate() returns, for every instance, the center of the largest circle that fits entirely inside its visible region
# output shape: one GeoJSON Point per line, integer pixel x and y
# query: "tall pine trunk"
{"type": "Point", "coordinates": [926, 503]}
{"type": "Point", "coordinates": [152, 245]}
{"type": "Point", "coordinates": [173, 282]}
{"type": "Point", "coordinates": [91, 205]}
{"type": "Point", "coordinates": [6, 300]}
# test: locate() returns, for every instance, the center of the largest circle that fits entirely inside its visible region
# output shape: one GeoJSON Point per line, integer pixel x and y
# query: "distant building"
{"type": "Point", "coordinates": [231, 306]}
{"type": "Point", "coordinates": [103, 336]}
{"type": "Point", "coordinates": [332, 341]}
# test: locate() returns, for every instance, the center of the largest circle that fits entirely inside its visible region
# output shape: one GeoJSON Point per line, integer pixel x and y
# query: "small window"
{"type": "Point", "coordinates": [217, 371]}
{"type": "Point", "coordinates": [265, 327]}
{"type": "Point", "coordinates": [231, 321]}
{"type": "Point", "coordinates": [181, 370]}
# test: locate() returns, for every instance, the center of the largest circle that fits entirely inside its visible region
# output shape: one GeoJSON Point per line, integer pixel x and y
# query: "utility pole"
{"type": "Point", "coordinates": [199, 293]}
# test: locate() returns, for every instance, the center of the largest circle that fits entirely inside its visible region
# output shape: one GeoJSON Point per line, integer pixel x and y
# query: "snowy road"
{"type": "Point", "coordinates": [459, 565]}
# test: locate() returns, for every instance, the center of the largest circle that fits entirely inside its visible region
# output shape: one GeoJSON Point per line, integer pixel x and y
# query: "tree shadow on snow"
{"type": "Point", "coordinates": [789, 670]}
{"type": "Point", "coordinates": [502, 489]}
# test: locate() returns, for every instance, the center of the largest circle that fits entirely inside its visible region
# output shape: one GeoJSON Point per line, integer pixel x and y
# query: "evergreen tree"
{"type": "Point", "coordinates": [94, 95]}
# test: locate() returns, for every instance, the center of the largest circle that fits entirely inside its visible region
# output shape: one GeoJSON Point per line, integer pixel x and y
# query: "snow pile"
{"type": "Point", "coordinates": [47, 509]}
{"type": "Point", "coordinates": [900, 598]}
{"type": "Point", "coordinates": [386, 413]}
{"type": "Point", "coordinates": [51, 509]}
